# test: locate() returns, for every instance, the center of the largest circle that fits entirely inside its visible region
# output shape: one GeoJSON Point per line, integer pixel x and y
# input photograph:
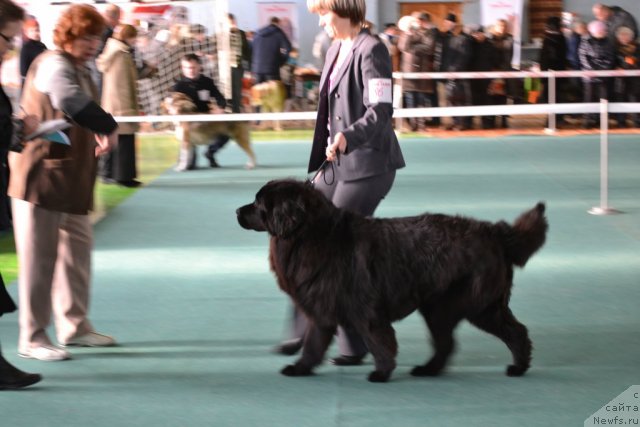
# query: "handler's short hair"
{"type": "Point", "coordinates": [355, 10]}
{"type": "Point", "coordinates": [191, 57]}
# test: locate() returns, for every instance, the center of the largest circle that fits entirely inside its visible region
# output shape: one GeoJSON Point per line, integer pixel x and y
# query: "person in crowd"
{"type": "Point", "coordinates": [483, 56]}
{"type": "Point", "coordinates": [355, 150]}
{"type": "Point", "coordinates": [119, 97]}
{"type": "Point", "coordinates": [321, 44]}
{"type": "Point", "coordinates": [270, 51]}
{"type": "Point", "coordinates": [596, 53]}
{"type": "Point", "coordinates": [501, 89]}
{"type": "Point", "coordinates": [31, 45]}
{"type": "Point", "coordinates": [627, 89]}
{"type": "Point", "coordinates": [11, 132]}
{"type": "Point", "coordinates": [615, 17]}
{"type": "Point", "coordinates": [111, 16]}
{"type": "Point", "coordinates": [456, 56]}
{"type": "Point", "coordinates": [201, 90]}
{"type": "Point", "coordinates": [51, 187]}
{"type": "Point", "coordinates": [577, 32]}
{"type": "Point", "coordinates": [553, 56]}
{"type": "Point", "coordinates": [240, 54]}
{"type": "Point", "coordinates": [389, 37]}
{"type": "Point", "coordinates": [418, 48]}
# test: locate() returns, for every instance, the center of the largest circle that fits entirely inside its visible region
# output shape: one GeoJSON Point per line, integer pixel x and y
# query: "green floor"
{"type": "Point", "coordinates": [190, 297]}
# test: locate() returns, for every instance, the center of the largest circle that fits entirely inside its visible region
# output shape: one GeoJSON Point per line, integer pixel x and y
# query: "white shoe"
{"type": "Point", "coordinates": [47, 353]}
{"type": "Point", "coordinates": [92, 339]}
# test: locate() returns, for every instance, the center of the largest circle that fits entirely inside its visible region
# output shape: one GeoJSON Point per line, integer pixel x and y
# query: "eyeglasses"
{"type": "Point", "coordinates": [7, 39]}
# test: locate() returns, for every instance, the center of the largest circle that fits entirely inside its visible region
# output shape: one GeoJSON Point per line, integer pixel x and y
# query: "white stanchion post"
{"type": "Point", "coordinates": [604, 208]}
{"type": "Point", "coordinates": [397, 102]}
{"type": "Point", "coordinates": [551, 82]}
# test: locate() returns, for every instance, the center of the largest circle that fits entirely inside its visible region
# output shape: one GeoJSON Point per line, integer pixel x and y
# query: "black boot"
{"type": "Point", "coordinates": [12, 378]}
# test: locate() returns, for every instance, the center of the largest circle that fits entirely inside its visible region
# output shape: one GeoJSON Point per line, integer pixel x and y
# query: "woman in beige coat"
{"type": "Point", "coordinates": [119, 97]}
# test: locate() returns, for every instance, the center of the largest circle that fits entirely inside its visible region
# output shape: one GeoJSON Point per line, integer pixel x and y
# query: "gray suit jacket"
{"type": "Point", "coordinates": [360, 106]}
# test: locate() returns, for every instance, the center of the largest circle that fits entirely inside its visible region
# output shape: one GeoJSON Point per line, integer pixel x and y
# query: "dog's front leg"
{"type": "Point", "coordinates": [381, 341]}
{"type": "Point", "coordinates": [316, 342]}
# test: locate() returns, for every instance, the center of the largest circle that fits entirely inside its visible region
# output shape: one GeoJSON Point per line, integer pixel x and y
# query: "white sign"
{"type": "Point", "coordinates": [380, 90]}
{"type": "Point", "coordinates": [511, 11]}
{"type": "Point", "coordinates": [286, 12]}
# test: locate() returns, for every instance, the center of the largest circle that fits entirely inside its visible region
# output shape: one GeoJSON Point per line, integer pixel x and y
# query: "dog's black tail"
{"type": "Point", "coordinates": [527, 234]}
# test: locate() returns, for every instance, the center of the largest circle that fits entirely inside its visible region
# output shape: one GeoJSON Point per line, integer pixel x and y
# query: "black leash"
{"type": "Point", "coordinates": [324, 175]}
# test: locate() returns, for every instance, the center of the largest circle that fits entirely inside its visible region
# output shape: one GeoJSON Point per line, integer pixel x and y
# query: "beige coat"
{"type": "Point", "coordinates": [119, 75]}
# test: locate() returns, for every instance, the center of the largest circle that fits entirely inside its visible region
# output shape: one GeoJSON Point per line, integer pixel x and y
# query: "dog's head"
{"type": "Point", "coordinates": [284, 208]}
{"type": "Point", "coordinates": [179, 103]}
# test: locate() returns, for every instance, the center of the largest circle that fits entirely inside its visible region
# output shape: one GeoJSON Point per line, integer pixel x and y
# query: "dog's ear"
{"type": "Point", "coordinates": [285, 217]}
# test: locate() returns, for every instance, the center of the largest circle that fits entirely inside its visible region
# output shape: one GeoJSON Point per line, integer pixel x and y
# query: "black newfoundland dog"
{"type": "Point", "coordinates": [344, 269]}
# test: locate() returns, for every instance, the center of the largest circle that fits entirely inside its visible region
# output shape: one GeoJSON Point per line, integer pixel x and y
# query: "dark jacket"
{"type": "Point", "coordinates": [483, 56]}
{"type": "Point", "coordinates": [6, 124]}
{"type": "Point", "coordinates": [29, 51]}
{"type": "Point", "coordinates": [270, 50]}
{"type": "Point", "coordinates": [6, 303]}
{"type": "Point", "coordinates": [359, 105]}
{"type": "Point", "coordinates": [504, 51]}
{"type": "Point", "coordinates": [620, 18]}
{"type": "Point", "coordinates": [191, 88]}
{"type": "Point", "coordinates": [553, 55]}
{"type": "Point", "coordinates": [456, 55]}
{"type": "Point", "coordinates": [596, 54]}
{"type": "Point", "coordinates": [418, 49]}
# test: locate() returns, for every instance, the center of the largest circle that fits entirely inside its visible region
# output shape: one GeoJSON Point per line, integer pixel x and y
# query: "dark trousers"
{"type": "Point", "coordinates": [5, 206]}
{"type": "Point", "coordinates": [361, 196]}
{"type": "Point", "coordinates": [236, 88]}
{"type": "Point", "coordinates": [219, 142]}
{"type": "Point", "coordinates": [480, 96]}
{"type": "Point", "coordinates": [120, 163]}
{"type": "Point", "coordinates": [593, 92]}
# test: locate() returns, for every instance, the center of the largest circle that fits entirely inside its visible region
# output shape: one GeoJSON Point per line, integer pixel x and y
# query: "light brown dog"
{"type": "Point", "coordinates": [201, 133]}
{"type": "Point", "coordinates": [271, 96]}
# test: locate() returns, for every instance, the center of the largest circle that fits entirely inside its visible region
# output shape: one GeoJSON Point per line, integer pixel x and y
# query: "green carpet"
{"type": "Point", "coordinates": [189, 296]}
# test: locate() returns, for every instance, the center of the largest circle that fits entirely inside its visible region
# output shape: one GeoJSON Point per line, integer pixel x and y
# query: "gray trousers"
{"type": "Point", "coordinates": [360, 196]}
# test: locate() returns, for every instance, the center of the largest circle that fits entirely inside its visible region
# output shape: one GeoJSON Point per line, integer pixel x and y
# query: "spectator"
{"type": "Point", "coordinates": [417, 45]}
{"type": "Point", "coordinates": [615, 17]}
{"type": "Point", "coordinates": [321, 45]}
{"type": "Point", "coordinates": [596, 53]}
{"type": "Point", "coordinates": [390, 37]}
{"type": "Point", "coordinates": [502, 88]}
{"type": "Point", "coordinates": [627, 89]}
{"type": "Point", "coordinates": [482, 59]}
{"type": "Point", "coordinates": [271, 49]}
{"type": "Point", "coordinates": [200, 89]}
{"type": "Point", "coordinates": [31, 46]}
{"type": "Point", "coordinates": [553, 56]}
{"type": "Point", "coordinates": [456, 56]}
{"type": "Point", "coordinates": [240, 54]}
{"type": "Point", "coordinates": [51, 205]}
{"type": "Point", "coordinates": [119, 97]}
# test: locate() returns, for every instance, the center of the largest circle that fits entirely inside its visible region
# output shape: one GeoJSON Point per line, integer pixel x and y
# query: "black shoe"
{"type": "Point", "coordinates": [212, 160]}
{"type": "Point", "coordinates": [288, 348]}
{"type": "Point", "coordinates": [107, 180]}
{"type": "Point", "coordinates": [12, 378]}
{"type": "Point", "coordinates": [131, 184]}
{"type": "Point", "coordinates": [347, 360]}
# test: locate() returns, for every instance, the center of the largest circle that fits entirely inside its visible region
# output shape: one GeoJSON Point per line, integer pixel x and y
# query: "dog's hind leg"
{"type": "Point", "coordinates": [243, 139]}
{"type": "Point", "coordinates": [441, 320]}
{"type": "Point", "coordinates": [316, 342]}
{"type": "Point", "coordinates": [498, 320]}
{"type": "Point", "coordinates": [381, 341]}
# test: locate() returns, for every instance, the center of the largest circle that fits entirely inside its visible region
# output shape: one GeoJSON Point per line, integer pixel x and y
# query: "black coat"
{"type": "Point", "coordinates": [192, 87]}
{"type": "Point", "coordinates": [271, 49]}
{"type": "Point", "coordinates": [553, 55]}
{"type": "Point", "coordinates": [6, 303]}
{"type": "Point", "coordinates": [29, 51]}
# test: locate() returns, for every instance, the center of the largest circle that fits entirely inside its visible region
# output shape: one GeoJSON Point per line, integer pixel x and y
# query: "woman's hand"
{"type": "Point", "coordinates": [338, 146]}
{"type": "Point", "coordinates": [106, 143]}
{"type": "Point", "coordinates": [29, 124]}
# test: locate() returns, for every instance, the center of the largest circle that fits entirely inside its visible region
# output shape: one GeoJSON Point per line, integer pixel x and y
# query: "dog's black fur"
{"type": "Point", "coordinates": [343, 269]}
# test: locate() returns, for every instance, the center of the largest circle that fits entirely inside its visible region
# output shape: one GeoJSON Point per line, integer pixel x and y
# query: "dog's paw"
{"type": "Point", "coordinates": [428, 370]}
{"type": "Point", "coordinates": [295, 371]}
{"type": "Point", "coordinates": [516, 370]}
{"type": "Point", "coordinates": [379, 376]}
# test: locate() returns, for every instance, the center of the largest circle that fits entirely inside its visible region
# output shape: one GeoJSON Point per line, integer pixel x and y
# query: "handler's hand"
{"type": "Point", "coordinates": [339, 145]}
{"type": "Point", "coordinates": [30, 123]}
{"type": "Point", "coordinates": [106, 143]}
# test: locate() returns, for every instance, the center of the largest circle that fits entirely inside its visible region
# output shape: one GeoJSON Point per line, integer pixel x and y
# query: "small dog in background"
{"type": "Point", "coordinates": [271, 96]}
{"type": "Point", "coordinates": [191, 134]}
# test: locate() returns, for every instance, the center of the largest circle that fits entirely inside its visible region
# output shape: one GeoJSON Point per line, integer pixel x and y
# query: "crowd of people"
{"type": "Point", "coordinates": [608, 42]}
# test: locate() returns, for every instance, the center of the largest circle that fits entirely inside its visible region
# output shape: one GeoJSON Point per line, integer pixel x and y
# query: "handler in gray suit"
{"type": "Point", "coordinates": [353, 133]}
